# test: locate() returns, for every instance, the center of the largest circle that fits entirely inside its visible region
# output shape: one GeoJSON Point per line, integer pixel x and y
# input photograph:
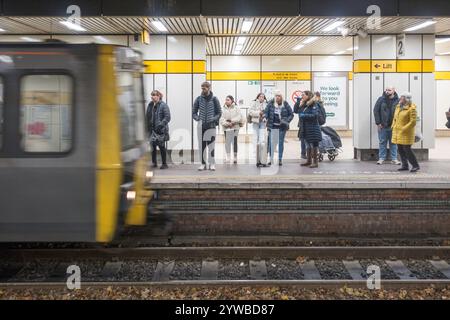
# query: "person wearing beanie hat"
{"type": "Point", "coordinates": [403, 131]}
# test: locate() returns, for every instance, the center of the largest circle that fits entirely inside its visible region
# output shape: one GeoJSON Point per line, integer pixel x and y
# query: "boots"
{"type": "Point", "coordinates": [315, 157]}
{"type": "Point", "coordinates": [308, 157]}
{"type": "Point", "coordinates": [235, 158]}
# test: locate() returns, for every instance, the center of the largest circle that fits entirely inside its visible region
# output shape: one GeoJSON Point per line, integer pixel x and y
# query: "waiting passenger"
{"type": "Point", "coordinates": [231, 121]}
{"type": "Point", "coordinates": [299, 107]}
{"type": "Point", "coordinates": [311, 129]}
{"type": "Point", "coordinates": [403, 131]}
{"type": "Point", "coordinates": [447, 114]}
{"type": "Point", "coordinates": [157, 119]}
{"type": "Point", "coordinates": [278, 114]}
{"type": "Point", "coordinates": [256, 118]}
{"type": "Point", "coordinates": [384, 113]}
{"type": "Point", "coordinates": [206, 111]}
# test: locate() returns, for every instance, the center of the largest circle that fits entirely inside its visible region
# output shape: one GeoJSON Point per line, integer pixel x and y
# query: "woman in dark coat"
{"type": "Point", "coordinates": [310, 129]}
{"type": "Point", "coordinates": [158, 118]}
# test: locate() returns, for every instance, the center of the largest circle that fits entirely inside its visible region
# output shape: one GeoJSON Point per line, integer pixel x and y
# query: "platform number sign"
{"type": "Point", "coordinates": [401, 43]}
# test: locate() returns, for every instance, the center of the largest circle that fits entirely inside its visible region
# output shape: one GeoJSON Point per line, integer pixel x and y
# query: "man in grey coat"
{"type": "Point", "coordinates": [207, 112]}
{"type": "Point", "coordinates": [384, 114]}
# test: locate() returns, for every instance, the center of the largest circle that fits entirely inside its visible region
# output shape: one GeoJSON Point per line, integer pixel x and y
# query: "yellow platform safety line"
{"type": "Point", "coordinates": [393, 66]}
{"type": "Point", "coordinates": [109, 166]}
{"type": "Point", "coordinates": [174, 66]}
{"type": "Point", "coordinates": [137, 213]}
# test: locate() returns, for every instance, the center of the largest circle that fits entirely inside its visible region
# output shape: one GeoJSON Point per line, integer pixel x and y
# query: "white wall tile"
{"type": "Point", "coordinates": [332, 63]}
{"type": "Point", "coordinates": [286, 63]}
{"type": "Point", "coordinates": [179, 47]}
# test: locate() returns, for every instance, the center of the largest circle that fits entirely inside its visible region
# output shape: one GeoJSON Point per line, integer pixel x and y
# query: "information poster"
{"type": "Point", "coordinates": [333, 90]}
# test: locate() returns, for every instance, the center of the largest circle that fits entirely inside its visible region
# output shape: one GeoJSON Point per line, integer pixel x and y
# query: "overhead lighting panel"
{"type": "Point", "coordinates": [298, 47]}
{"type": "Point", "coordinates": [310, 39]}
{"type": "Point", "coordinates": [246, 26]}
{"type": "Point", "coordinates": [158, 25]}
{"type": "Point", "coordinates": [333, 26]}
{"type": "Point", "coordinates": [73, 26]}
{"type": "Point", "coordinates": [421, 26]}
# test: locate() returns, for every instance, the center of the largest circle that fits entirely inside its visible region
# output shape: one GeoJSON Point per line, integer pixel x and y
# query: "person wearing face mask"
{"type": "Point", "coordinates": [157, 120]}
{"type": "Point", "coordinates": [231, 120]}
{"type": "Point", "coordinates": [256, 119]}
{"type": "Point", "coordinates": [278, 114]}
{"type": "Point", "coordinates": [384, 113]}
{"type": "Point", "coordinates": [403, 131]}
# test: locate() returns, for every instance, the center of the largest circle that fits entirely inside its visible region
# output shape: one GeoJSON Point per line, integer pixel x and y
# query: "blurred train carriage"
{"type": "Point", "coordinates": [72, 157]}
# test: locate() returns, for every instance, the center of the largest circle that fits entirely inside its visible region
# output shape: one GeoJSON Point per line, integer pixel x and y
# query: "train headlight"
{"type": "Point", "coordinates": [131, 195]}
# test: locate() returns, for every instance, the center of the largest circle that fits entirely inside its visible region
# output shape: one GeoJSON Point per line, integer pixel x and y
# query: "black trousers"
{"type": "Point", "coordinates": [163, 150]}
{"type": "Point", "coordinates": [406, 154]}
{"type": "Point", "coordinates": [210, 143]}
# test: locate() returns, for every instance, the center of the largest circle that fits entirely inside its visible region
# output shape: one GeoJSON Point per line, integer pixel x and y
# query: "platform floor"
{"type": "Point", "coordinates": [434, 174]}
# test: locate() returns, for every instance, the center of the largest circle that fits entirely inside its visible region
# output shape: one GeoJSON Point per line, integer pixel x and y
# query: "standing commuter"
{"type": "Point", "coordinates": [256, 118]}
{"type": "Point", "coordinates": [157, 120]}
{"type": "Point", "coordinates": [231, 121]}
{"type": "Point", "coordinates": [447, 114]}
{"type": "Point", "coordinates": [299, 107]}
{"type": "Point", "coordinates": [310, 129]}
{"type": "Point", "coordinates": [206, 111]}
{"type": "Point", "coordinates": [384, 113]}
{"type": "Point", "coordinates": [403, 131]}
{"type": "Point", "coordinates": [278, 114]}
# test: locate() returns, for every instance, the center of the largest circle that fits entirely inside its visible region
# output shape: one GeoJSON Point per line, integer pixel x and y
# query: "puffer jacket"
{"type": "Point", "coordinates": [286, 115]}
{"type": "Point", "coordinates": [309, 118]}
{"type": "Point", "coordinates": [404, 125]}
{"type": "Point", "coordinates": [232, 113]}
{"type": "Point", "coordinates": [254, 111]}
{"type": "Point", "coordinates": [207, 110]}
{"type": "Point", "coordinates": [384, 110]}
{"type": "Point", "coordinates": [299, 107]}
{"type": "Point", "coordinates": [158, 119]}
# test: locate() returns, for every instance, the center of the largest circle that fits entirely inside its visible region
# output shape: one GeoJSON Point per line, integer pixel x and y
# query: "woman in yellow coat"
{"type": "Point", "coordinates": [403, 131]}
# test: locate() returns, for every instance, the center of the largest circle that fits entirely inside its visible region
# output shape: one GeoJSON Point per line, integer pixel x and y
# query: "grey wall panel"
{"type": "Point", "coordinates": [151, 8]}
{"type": "Point", "coordinates": [429, 110]}
{"type": "Point", "coordinates": [362, 110]}
{"type": "Point", "coordinates": [424, 8]}
{"type": "Point", "coordinates": [49, 7]}
{"type": "Point", "coordinates": [415, 87]}
{"type": "Point", "coordinates": [267, 8]}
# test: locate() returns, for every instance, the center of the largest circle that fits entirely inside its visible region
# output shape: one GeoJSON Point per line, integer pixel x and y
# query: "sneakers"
{"type": "Point", "coordinates": [202, 167]}
{"type": "Point", "coordinates": [380, 162]}
{"type": "Point", "coordinates": [396, 162]}
{"type": "Point", "coordinates": [212, 167]}
{"type": "Point", "coordinates": [403, 169]}
{"type": "Point", "coordinates": [415, 169]}
{"type": "Point", "coordinates": [164, 166]}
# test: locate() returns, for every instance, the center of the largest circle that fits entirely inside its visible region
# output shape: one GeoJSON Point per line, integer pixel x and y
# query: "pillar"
{"type": "Point", "coordinates": [377, 64]}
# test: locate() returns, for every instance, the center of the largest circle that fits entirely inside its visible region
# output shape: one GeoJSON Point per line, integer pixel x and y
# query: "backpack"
{"type": "Point", "coordinates": [322, 114]}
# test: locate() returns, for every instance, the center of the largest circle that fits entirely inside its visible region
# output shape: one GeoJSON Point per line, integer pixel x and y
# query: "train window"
{"type": "Point", "coordinates": [131, 109]}
{"type": "Point", "coordinates": [1, 112]}
{"type": "Point", "coordinates": [46, 113]}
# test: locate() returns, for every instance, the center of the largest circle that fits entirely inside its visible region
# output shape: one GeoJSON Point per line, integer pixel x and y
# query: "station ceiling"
{"type": "Point", "coordinates": [267, 35]}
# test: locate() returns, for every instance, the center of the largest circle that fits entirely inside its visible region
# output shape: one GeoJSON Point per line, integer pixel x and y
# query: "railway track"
{"type": "Point", "coordinates": [293, 267]}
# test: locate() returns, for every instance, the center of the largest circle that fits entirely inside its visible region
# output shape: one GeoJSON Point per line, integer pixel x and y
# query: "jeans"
{"type": "Point", "coordinates": [385, 136]}
{"type": "Point", "coordinates": [303, 147]}
{"type": "Point", "coordinates": [406, 154]}
{"type": "Point", "coordinates": [231, 137]}
{"type": "Point", "coordinates": [207, 141]}
{"type": "Point", "coordinates": [258, 135]}
{"type": "Point", "coordinates": [276, 138]}
{"type": "Point", "coordinates": [163, 153]}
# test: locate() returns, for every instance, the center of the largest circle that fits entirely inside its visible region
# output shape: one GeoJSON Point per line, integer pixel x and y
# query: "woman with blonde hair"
{"type": "Point", "coordinates": [403, 131]}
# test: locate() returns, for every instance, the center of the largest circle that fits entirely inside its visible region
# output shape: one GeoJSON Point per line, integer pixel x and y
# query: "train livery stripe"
{"type": "Point", "coordinates": [109, 166]}
{"type": "Point", "coordinates": [393, 66]}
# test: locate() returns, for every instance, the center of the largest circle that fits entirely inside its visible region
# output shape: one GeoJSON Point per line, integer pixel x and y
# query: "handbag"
{"type": "Point", "coordinates": [418, 137]}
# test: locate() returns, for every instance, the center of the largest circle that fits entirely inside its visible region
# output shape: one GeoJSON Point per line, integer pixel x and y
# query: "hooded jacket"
{"type": "Point", "coordinates": [309, 122]}
{"type": "Point", "coordinates": [286, 114]}
{"type": "Point", "coordinates": [384, 110]}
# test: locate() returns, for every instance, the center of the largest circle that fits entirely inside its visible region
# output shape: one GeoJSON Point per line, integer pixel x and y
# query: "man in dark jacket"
{"type": "Point", "coordinates": [207, 112]}
{"type": "Point", "coordinates": [384, 114]}
{"type": "Point", "coordinates": [278, 114]}
{"type": "Point", "coordinates": [157, 120]}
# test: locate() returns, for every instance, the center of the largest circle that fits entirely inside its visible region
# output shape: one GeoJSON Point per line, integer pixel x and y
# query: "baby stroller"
{"type": "Point", "coordinates": [330, 144]}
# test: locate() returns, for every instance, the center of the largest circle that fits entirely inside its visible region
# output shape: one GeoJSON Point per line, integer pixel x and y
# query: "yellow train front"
{"type": "Point", "coordinates": [73, 161]}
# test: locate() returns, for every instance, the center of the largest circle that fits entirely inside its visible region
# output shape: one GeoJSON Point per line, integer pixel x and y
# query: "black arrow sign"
{"type": "Point", "coordinates": [377, 66]}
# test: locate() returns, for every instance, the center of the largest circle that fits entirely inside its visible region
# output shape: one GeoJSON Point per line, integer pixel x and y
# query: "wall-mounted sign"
{"type": "Point", "coordinates": [333, 90]}
{"type": "Point", "coordinates": [401, 45]}
{"type": "Point", "coordinates": [286, 76]}
{"type": "Point", "coordinates": [384, 66]}
{"type": "Point", "coordinates": [145, 37]}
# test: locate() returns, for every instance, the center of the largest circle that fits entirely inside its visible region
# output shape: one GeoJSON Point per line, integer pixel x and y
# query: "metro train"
{"type": "Point", "coordinates": [73, 161]}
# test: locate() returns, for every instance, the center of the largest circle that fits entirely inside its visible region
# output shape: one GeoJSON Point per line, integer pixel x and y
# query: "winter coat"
{"type": "Point", "coordinates": [299, 107]}
{"type": "Point", "coordinates": [254, 111]}
{"type": "Point", "coordinates": [404, 125]}
{"type": "Point", "coordinates": [309, 118]}
{"type": "Point", "coordinates": [384, 110]}
{"type": "Point", "coordinates": [286, 115]}
{"type": "Point", "coordinates": [207, 110]}
{"type": "Point", "coordinates": [232, 113]}
{"type": "Point", "coordinates": [157, 120]}
{"type": "Point", "coordinates": [447, 114]}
